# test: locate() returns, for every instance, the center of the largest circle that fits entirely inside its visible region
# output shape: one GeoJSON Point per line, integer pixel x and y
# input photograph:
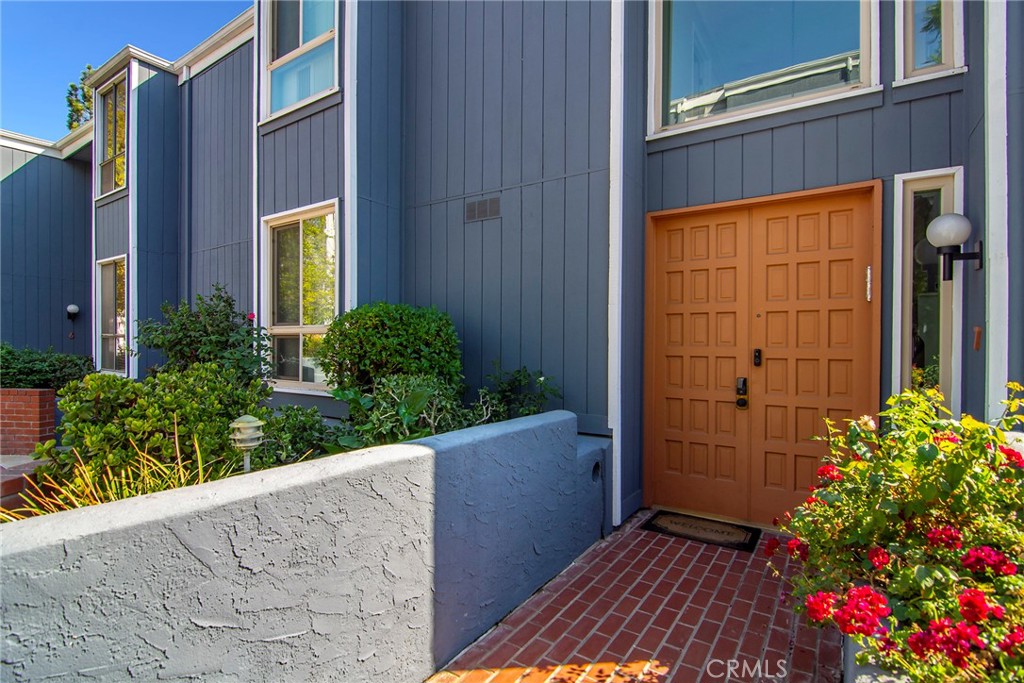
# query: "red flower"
{"type": "Point", "coordinates": [830, 472]}
{"type": "Point", "coordinates": [944, 637]}
{"type": "Point", "coordinates": [251, 316]}
{"type": "Point", "coordinates": [813, 500]}
{"type": "Point", "coordinates": [879, 557]}
{"type": "Point", "coordinates": [946, 437]}
{"type": "Point", "coordinates": [1013, 639]}
{"type": "Point", "coordinates": [921, 643]}
{"type": "Point", "coordinates": [819, 606]}
{"type": "Point", "coordinates": [1013, 457]}
{"type": "Point", "coordinates": [797, 548]}
{"type": "Point", "coordinates": [770, 546]}
{"type": "Point", "coordinates": [862, 612]}
{"type": "Point", "coordinates": [974, 607]}
{"type": "Point", "coordinates": [947, 537]}
{"type": "Point", "coordinates": [982, 558]}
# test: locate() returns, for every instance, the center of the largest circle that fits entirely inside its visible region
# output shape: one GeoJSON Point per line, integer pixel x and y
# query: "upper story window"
{"type": "Point", "coordinates": [930, 36]}
{"type": "Point", "coordinates": [302, 55]}
{"type": "Point", "coordinates": [303, 277]}
{"type": "Point", "coordinates": [721, 57]}
{"type": "Point", "coordinates": [113, 131]}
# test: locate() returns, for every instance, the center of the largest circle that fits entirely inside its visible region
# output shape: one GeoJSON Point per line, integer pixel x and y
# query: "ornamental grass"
{"type": "Point", "coordinates": [913, 539]}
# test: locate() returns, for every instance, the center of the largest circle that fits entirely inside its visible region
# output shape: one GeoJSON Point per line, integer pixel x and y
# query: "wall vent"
{"type": "Point", "coordinates": [482, 209]}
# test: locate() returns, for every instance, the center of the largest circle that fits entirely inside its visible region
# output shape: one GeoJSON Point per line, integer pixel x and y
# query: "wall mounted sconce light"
{"type": "Point", "coordinates": [947, 233]}
{"type": "Point", "coordinates": [72, 312]}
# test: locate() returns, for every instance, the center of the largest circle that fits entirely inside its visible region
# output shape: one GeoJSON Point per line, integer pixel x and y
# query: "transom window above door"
{"type": "Point", "coordinates": [301, 52]}
{"type": "Point", "coordinates": [716, 58]}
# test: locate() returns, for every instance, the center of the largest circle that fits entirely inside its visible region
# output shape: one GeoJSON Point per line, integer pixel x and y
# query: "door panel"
{"type": "Point", "coordinates": [788, 278]}
{"type": "Point", "coordinates": [700, 323]}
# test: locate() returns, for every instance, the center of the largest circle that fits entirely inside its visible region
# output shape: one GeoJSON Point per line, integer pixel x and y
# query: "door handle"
{"type": "Point", "coordinates": [741, 392]}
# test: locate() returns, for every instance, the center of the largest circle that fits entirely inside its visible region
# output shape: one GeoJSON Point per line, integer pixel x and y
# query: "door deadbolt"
{"type": "Point", "coordinates": [741, 392]}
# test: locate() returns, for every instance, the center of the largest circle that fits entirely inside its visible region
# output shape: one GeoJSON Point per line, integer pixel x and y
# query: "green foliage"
{"type": "Point", "coordinates": [210, 332]}
{"type": "Point", "coordinates": [92, 485]}
{"type": "Point", "coordinates": [109, 419]}
{"type": "Point", "coordinates": [292, 434]}
{"type": "Point", "coordinates": [371, 342]}
{"type": "Point", "coordinates": [404, 407]}
{"type": "Point", "coordinates": [31, 369]}
{"type": "Point", "coordinates": [929, 515]}
{"type": "Point", "coordinates": [519, 392]}
{"type": "Point", "coordinates": [79, 99]}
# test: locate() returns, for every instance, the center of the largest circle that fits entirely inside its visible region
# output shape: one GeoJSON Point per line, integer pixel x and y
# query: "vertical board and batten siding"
{"type": "Point", "coordinates": [216, 245]}
{"type": "Point", "coordinates": [45, 251]}
{"type": "Point", "coordinates": [511, 100]}
{"type": "Point", "coordinates": [1015, 184]}
{"type": "Point", "coordinates": [112, 227]}
{"type": "Point", "coordinates": [379, 164]}
{"type": "Point", "coordinates": [917, 127]}
{"type": "Point", "coordinates": [156, 179]}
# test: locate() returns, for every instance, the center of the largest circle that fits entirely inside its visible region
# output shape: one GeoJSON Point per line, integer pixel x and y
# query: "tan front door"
{"type": "Point", "coordinates": [788, 279]}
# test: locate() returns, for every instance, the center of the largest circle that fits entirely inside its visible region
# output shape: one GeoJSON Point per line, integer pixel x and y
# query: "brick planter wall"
{"type": "Point", "coordinates": [27, 417]}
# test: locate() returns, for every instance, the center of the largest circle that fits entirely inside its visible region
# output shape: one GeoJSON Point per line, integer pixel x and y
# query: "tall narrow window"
{"type": "Point", "coordinates": [303, 277]}
{"type": "Point", "coordinates": [114, 112]}
{"type": "Point", "coordinates": [929, 41]}
{"type": "Point", "coordinates": [927, 299]}
{"type": "Point", "coordinates": [302, 50]}
{"type": "Point", "coordinates": [113, 316]}
{"type": "Point", "coordinates": [719, 57]}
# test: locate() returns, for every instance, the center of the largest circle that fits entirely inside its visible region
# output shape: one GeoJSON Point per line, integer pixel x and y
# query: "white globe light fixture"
{"type": "Point", "coordinates": [947, 233]}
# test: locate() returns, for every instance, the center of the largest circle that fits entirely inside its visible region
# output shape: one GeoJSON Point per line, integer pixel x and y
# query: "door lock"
{"type": "Point", "coordinates": [741, 392]}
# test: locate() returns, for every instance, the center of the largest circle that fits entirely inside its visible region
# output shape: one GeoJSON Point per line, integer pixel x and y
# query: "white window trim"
{"type": "Point", "coordinates": [958, 65]}
{"type": "Point", "coordinates": [267, 225]}
{"type": "Point", "coordinates": [99, 143]}
{"type": "Point", "coordinates": [266, 34]}
{"type": "Point", "coordinates": [871, 46]}
{"type": "Point", "coordinates": [97, 307]}
{"type": "Point", "coordinates": [899, 292]}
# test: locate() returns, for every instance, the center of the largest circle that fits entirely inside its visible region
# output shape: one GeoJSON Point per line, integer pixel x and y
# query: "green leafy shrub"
{"type": "Point", "coordinates": [92, 485]}
{"type": "Point", "coordinates": [371, 342]}
{"type": "Point", "coordinates": [913, 541]}
{"type": "Point", "coordinates": [211, 331]}
{"type": "Point", "coordinates": [404, 407]}
{"type": "Point", "coordinates": [109, 419]}
{"type": "Point", "coordinates": [293, 433]}
{"type": "Point", "coordinates": [31, 369]}
{"type": "Point", "coordinates": [518, 393]}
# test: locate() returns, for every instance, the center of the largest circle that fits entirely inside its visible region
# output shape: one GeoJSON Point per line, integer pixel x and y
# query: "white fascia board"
{"type": "Point", "coordinates": [228, 38]}
{"type": "Point", "coordinates": [113, 66]}
{"type": "Point", "coordinates": [75, 140]}
{"type": "Point", "coordinates": [27, 143]}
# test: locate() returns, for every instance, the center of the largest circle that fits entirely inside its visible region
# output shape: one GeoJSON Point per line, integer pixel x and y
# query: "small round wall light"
{"type": "Point", "coordinates": [72, 310]}
{"type": "Point", "coordinates": [947, 233]}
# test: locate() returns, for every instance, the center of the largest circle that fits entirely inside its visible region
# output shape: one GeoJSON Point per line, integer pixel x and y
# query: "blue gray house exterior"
{"type": "Point", "coordinates": [507, 162]}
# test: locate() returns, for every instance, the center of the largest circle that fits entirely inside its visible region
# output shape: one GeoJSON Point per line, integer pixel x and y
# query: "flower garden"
{"type": "Point", "coordinates": [912, 542]}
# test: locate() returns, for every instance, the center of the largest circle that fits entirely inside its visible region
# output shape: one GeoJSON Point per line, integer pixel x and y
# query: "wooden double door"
{"type": "Point", "coordinates": [762, 318]}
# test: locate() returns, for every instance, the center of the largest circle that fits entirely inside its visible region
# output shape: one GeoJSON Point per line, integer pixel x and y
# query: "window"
{"type": "Point", "coordinates": [720, 57]}
{"type": "Point", "coordinates": [114, 108]}
{"type": "Point", "coordinates": [113, 317]}
{"type": "Point", "coordinates": [303, 298]}
{"type": "Point", "coordinates": [927, 338]}
{"type": "Point", "coordinates": [932, 41]}
{"type": "Point", "coordinates": [301, 53]}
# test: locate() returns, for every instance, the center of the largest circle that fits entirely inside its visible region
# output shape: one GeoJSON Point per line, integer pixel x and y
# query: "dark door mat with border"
{"type": "Point", "coordinates": [725, 534]}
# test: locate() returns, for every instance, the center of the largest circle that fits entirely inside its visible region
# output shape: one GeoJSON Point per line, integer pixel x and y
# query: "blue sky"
{"type": "Point", "coordinates": [45, 45]}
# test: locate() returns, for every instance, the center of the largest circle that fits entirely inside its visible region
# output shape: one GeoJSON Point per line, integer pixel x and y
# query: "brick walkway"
{"type": "Point", "coordinates": [645, 607]}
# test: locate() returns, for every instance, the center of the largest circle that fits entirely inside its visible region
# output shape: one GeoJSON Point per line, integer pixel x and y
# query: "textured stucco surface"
{"type": "Point", "coordinates": [372, 566]}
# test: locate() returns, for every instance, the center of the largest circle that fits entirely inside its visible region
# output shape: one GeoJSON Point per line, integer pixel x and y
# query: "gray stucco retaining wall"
{"type": "Point", "coordinates": [373, 566]}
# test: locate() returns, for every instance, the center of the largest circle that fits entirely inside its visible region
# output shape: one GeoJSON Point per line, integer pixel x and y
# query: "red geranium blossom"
{"type": "Point", "coordinates": [797, 548]}
{"type": "Point", "coordinates": [862, 612]}
{"type": "Point", "coordinates": [946, 437]}
{"type": "Point", "coordinates": [1013, 457]}
{"type": "Point", "coordinates": [947, 537]}
{"type": "Point", "coordinates": [1012, 640]}
{"type": "Point", "coordinates": [830, 472]}
{"type": "Point", "coordinates": [974, 606]}
{"type": "Point", "coordinates": [251, 316]}
{"type": "Point", "coordinates": [983, 557]}
{"type": "Point", "coordinates": [819, 606]}
{"type": "Point", "coordinates": [770, 546]}
{"type": "Point", "coordinates": [813, 500]}
{"type": "Point", "coordinates": [879, 557]}
{"type": "Point", "coordinates": [952, 640]}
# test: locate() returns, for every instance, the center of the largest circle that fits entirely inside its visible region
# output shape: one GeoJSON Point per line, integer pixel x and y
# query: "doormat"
{"type": "Point", "coordinates": [735, 536]}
